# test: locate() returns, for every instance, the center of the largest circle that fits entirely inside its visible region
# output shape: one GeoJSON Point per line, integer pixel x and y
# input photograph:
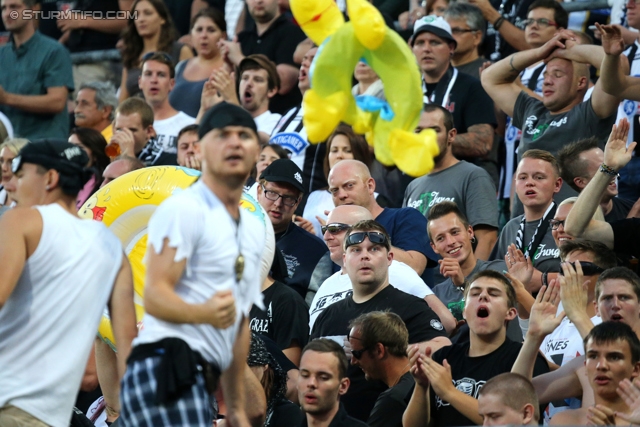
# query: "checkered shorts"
{"type": "Point", "coordinates": [138, 400]}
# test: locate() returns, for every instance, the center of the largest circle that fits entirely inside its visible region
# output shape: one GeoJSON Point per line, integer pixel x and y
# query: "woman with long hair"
{"type": "Point", "coordinates": [151, 31]}
{"type": "Point", "coordinates": [343, 144]}
{"type": "Point", "coordinates": [208, 27]}
{"type": "Point", "coordinates": [93, 143]}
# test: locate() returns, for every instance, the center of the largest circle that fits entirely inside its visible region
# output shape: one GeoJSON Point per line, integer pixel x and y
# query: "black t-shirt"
{"type": "Point", "coordinates": [86, 40]}
{"type": "Point", "coordinates": [391, 404]}
{"type": "Point", "coordinates": [278, 43]}
{"type": "Point", "coordinates": [423, 325]}
{"type": "Point", "coordinates": [514, 11]}
{"type": "Point", "coordinates": [620, 209]}
{"type": "Point", "coordinates": [285, 319]}
{"type": "Point", "coordinates": [471, 373]}
{"type": "Point", "coordinates": [342, 419]}
{"type": "Point", "coordinates": [626, 236]}
{"type": "Point", "coordinates": [285, 413]}
{"type": "Point", "coordinates": [49, 27]}
{"type": "Point", "coordinates": [301, 251]}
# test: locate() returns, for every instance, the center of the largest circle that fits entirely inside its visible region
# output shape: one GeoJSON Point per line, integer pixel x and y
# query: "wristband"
{"type": "Point", "coordinates": [544, 279]}
{"type": "Point", "coordinates": [608, 170]}
{"type": "Point", "coordinates": [498, 23]}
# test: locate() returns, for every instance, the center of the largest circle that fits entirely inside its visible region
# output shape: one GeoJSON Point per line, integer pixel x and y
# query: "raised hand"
{"type": "Point", "coordinates": [573, 290]}
{"type": "Point", "coordinates": [439, 377]}
{"type": "Point", "coordinates": [612, 41]}
{"type": "Point", "coordinates": [518, 265]}
{"type": "Point", "coordinates": [543, 319]}
{"type": "Point", "coordinates": [416, 361]}
{"type": "Point", "coordinates": [616, 152]}
{"type": "Point", "coordinates": [630, 393]}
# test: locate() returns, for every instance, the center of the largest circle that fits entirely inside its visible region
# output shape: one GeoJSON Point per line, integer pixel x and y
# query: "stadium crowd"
{"type": "Point", "coordinates": [501, 288]}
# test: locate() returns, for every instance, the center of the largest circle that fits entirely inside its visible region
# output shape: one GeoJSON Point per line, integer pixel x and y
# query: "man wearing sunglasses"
{"type": "Point", "coordinates": [59, 275]}
{"type": "Point", "coordinates": [338, 286]}
{"type": "Point", "coordinates": [156, 83]}
{"type": "Point", "coordinates": [280, 190]}
{"type": "Point", "coordinates": [379, 342]}
{"type": "Point", "coordinates": [367, 257]}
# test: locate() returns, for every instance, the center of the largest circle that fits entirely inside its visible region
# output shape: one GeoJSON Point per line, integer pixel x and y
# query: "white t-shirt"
{"type": "Point", "coordinates": [338, 287]}
{"type": "Point", "coordinates": [199, 226]}
{"type": "Point", "coordinates": [267, 121]}
{"type": "Point", "coordinates": [317, 202]}
{"type": "Point", "coordinates": [168, 129]}
{"type": "Point", "coordinates": [49, 322]}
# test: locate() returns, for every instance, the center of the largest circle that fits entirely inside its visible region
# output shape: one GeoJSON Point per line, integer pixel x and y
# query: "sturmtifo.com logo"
{"type": "Point", "coordinates": [74, 14]}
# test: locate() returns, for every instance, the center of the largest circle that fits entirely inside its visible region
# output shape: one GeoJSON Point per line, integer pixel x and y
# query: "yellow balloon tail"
{"type": "Point", "coordinates": [318, 18]}
{"type": "Point", "coordinates": [412, 153]}
{"type": "Point", "coordinates": [322, 115]}
{"type": "Point", "coordinates": [368, 23]}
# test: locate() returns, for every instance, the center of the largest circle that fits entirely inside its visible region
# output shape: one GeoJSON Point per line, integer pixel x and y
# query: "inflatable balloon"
{"type": "Point", "coordinates": [125, 206]}
{"type": "Point", "coordinates": [388, 125]}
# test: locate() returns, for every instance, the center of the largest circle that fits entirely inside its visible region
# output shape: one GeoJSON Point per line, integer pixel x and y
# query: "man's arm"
{"type": "Point", "coordinates": [499, 80]}
{"type": "Point", "coordinates": [612, 74]}
{"type": "Point", "coordinates": [487, 237]}
{"type": "Point", "coordinates": [53, 102]}
{"type": "Point", "coordinates": [418, 412]}
{"type": "Point", "coordinates": [446, 318]}
{"type": "Point", "coordinates": [512, 34]}
{"type": "Point", "coordinates": [110, 26]}
{"type": "Point", "coordinates": [413, 259]}
{"type": "Point", "coordinates": [288, 77]}
{"type": "Point", "coordinates": [14, 227]}
{"type": "Point", "coordinates": [123, 314]}
{"type": "Point", "coordinates": [616, 156]}
{"type": "Point", "coordinates": [476, 142]}
{"type": "Point", "coordinates": [233, 383]}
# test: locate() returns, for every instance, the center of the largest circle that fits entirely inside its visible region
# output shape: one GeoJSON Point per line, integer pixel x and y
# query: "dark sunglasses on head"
{"type": "Point", "coordinates": [164, 56]}
{"type": "Point", "coordinates": [374, 237]}
{"type": "Point", "coordinates": [334, 227]}
{"type": "Point", "coordinates": [588, 268]}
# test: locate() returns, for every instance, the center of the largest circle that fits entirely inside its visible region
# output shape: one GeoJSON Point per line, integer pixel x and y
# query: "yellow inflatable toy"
{"type": "Point", "coordinates": [125, 206]}
{"type": "Point", "coordinates": [388, 126]}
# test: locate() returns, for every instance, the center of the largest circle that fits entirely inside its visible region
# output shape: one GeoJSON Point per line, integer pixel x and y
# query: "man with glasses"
{"type": "Point", "coordinates": [338, 286]}
{"type": "Point", "coordinates": [281, 187]}
{"type": "Point", "coordinates": [379, 342]}
{"type": "Point", "coordinates": [442, 84]}
{"type": "Point", "coordinates": [467, 28]}
{"type": "Point", "coordinates": [366, 259]}
{"type": "Point", "coordinates": [579, 163]}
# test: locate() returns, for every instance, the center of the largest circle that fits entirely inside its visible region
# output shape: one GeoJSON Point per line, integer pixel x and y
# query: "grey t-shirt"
{"type": "Point", "coordinates": [546, 257]}
{"type": "Point", "coordinates": [466, 184]}
{"type": "Point", "coordinates": [551, 132]}
{"type": "Point", "coordinates": [451, 295]}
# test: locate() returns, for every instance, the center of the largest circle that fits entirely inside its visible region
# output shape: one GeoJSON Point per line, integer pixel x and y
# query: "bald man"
{"type": "Point", "coordinates": [350, 183]}
{"type": "Point", "coordinates": [338, 286]}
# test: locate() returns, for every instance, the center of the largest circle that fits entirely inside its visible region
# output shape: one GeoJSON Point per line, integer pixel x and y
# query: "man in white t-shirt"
{"type": "Point", "coordinates": [259, 82]}
{"type": "Point", "coordinates": [60, 273]}
{"type": "Point", "coordinates": [338, 286]}
{"type": "Point", "coordinates": [203, 265]}
{"type": "Point", "coordinates": [155, 82]}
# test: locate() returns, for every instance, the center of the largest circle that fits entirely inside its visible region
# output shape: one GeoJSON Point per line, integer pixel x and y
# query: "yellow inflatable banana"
{"type": "Point", "coordinates": [388, 126]}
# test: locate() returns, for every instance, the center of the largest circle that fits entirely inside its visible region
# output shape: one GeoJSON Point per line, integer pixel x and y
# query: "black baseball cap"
{"type": "Point", "coordinates": [284, 170]}
{"type": "Point", "coordinates": [68, 159]}
{"type": "Point", "coordinates": [223, 115]}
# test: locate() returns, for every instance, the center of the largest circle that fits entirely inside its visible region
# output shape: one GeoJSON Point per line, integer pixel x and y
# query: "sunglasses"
{"type": "Point", "coordinates": [334, 228]}
{"type": "Point", "coordinates": [357, 354]}
{"type": "Point", "coordinates": [588, 268]}
{"type": "Point", "coordinates": [374, 237]}
{"type": "Point", "coordinates": [163, 55]}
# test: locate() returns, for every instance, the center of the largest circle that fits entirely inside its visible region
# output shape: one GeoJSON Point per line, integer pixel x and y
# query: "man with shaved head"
{"type": "Point", "coordinates": [338, 286]}
{"type": "Point", "coordinates": [350, 183]}
{"type": "Point", "coordinates": [546, 124]}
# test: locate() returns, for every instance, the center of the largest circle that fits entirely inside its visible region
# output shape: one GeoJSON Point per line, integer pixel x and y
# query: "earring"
{"type": "Point", "coordinates": [48, 187]}
{"type": "Point", "coordinates": [474, 240]}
